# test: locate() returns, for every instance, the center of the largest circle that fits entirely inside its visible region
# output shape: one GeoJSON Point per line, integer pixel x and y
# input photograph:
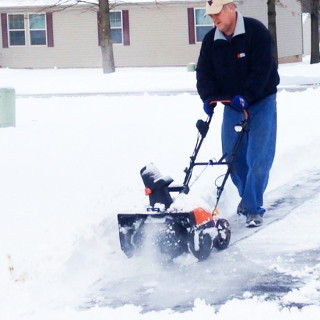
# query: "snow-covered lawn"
{"type": "Point", "coordinates": [72, 163]}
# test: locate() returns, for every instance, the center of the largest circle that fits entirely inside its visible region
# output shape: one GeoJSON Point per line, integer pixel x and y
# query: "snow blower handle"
{"type": "Point", "coordinates": [228, 101]}
{"type": "Point", "coordinates": [221, 101]}
{"type": "Point", "coordinates": [211, 104]}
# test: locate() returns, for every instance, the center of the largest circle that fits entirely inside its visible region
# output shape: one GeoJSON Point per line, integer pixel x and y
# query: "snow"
{"type": "Point", "coordinates": [72, 163]}
{"type": "Point", "coordinates": [40, 3]}
{"type": "Point", "coordinates": [34, 3]}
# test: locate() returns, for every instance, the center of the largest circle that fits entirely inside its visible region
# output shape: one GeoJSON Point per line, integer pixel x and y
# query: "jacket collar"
{"type": "Point", "coordinates": [239, 29]}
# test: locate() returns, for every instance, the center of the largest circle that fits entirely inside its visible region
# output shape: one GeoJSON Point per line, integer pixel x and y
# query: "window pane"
{"type": "Point", "coordinates": [38, 37]}
{"type": "Point", "coordinates": [200, 19]}
{"type": "Point", "coordinates": [17, 38]}
{"type": "Point", "coordinates": [202, 31]}
{"type": "Point", "coordinates": [116, 35]}
{"type": "Point", "coordinates": [115, 19]}
{"type": "Point", "coordinates": [16, 21]}
{"type": "Point", "coordinates": [37, 21]}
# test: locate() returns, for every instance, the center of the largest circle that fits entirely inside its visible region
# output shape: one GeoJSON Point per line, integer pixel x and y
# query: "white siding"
{"type": "Point", "coordinates": [289, 29]}
{"type": "Point", "coordinates": [75, 44]}
{"type": "Point", "coordinates": [255, 9]}
{"type": "Point", "coordinates": [306, 33]}
{"type": "Point", "coordinates": [158, 37]}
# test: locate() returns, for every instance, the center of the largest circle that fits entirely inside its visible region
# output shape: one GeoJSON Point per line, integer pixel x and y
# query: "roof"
{"type": "Point", "coordinates": [49, 3]}
{"type": "Point", "coordinates": [34, 3]}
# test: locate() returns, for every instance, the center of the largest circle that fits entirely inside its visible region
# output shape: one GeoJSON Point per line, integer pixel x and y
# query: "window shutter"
{"type": "Point", "coordinates": [125, 27]}
{"type": "Point", "coordinates": [192, 37]}
{"type": "Point", "coordinates": [4, 30]}
{"type": "Point", "coordinates": [49, 29]}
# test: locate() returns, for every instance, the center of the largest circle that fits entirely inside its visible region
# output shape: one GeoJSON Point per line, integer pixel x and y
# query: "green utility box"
{"type": "Point", "coordinates": [7, 107]}
{"type": "Point", "coordinates": [191, 67]}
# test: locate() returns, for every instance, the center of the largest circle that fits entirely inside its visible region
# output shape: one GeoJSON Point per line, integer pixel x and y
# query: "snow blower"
{"type": "Point", "coordinates": [175, 233]}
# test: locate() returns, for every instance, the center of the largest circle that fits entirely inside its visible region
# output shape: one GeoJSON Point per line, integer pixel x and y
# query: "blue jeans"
{"type": "Point", "coordinates": [250, 171]}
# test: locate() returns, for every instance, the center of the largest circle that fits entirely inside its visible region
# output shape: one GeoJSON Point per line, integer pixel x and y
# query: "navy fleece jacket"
{"type": "Point", "coordinates": [244, 66]}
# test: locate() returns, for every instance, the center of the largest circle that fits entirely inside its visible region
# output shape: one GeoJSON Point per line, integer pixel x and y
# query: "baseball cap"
{"type": "Point", "coordinates": [215, 6]}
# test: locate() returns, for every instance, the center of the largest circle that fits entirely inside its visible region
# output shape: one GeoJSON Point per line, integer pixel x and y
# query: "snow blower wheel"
{"type": "Point", "coordinates": [172, 240]}
{"type": "Point", "coordinates": [200, 244]}
{"type": "Point", "coordinates": [222, 240]}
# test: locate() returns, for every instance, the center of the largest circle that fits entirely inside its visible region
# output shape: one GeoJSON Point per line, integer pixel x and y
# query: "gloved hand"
{"type": "Point", "coordinates": [208, 106]}
{"type": "Point", "coordinates": [239, 103]}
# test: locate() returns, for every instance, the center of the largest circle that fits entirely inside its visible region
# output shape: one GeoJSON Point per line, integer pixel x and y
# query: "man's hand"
{"type": "Point", "coordinates": [239, 103]}
{"type": "Point", "coordinates": [208, 106]}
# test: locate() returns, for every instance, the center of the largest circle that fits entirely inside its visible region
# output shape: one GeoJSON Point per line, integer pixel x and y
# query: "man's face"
{"type": "Point", "coordinates": [225, 20]}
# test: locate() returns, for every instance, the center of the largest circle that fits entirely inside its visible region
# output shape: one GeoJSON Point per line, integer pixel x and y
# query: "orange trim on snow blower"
{"type": "Point", "coordinates": [202, 216]}
{"type": "Point", "coordinates": [147, 191]}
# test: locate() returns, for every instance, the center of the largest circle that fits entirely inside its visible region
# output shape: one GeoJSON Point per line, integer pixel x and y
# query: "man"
{"type": "Point", "coordinates": [236, 62]}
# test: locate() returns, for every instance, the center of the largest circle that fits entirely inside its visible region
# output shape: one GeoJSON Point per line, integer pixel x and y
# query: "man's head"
{"type": "Point", "coordinates": [223, 15]}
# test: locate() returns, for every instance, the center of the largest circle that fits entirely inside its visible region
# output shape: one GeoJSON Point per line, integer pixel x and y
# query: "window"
{"type": "Point", "coordinates": [17, 33]}
{"type": "Point", "coordinates": [116, 26]}
{"type": "Point", "coordinates": [203, 24]}
{"type": "Point", "coordinates": [119, 24]}
{"type": "Point", "coordinates": [35, 33]}
{"type": "Point", "coordinates": [37, 26]}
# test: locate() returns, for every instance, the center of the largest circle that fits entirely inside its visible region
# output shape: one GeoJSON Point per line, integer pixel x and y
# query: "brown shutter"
{"type": "Point", "coordinates": [49, 29]}
{"type": "Point", "coordinates": [4, 30]}
{"type": "Point", "coordinates": [192, 37]}
{"type": "Point", "coordinates": [125, 27]}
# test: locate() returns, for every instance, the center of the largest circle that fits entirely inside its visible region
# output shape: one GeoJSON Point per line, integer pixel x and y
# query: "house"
{"type": "Point", "coordinates": [34, 34]}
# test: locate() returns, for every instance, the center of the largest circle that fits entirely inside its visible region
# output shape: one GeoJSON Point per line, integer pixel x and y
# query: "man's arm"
{"type": "Point", "coordinates": [205, 73]}
{"type": "Point", "coordinates": [262, 66]}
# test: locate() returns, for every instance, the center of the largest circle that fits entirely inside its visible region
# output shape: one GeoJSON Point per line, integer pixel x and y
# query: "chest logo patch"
{"type": "Point", "coordinates": [241, 55]}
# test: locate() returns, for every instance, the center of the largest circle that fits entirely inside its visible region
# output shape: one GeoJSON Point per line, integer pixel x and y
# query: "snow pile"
{"type": "Point", "coordinates": [72, 163]}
